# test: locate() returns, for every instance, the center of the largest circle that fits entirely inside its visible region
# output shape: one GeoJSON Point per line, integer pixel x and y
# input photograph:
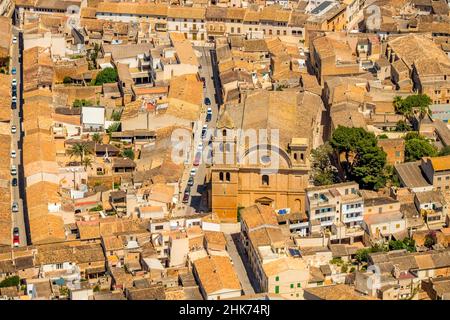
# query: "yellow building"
{"type": "Point", "coordinates": [275, 174]}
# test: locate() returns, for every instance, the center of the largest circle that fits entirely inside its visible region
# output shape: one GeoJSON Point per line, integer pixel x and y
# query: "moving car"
{"type": "Point", "coordinates": [207, 101]}
{"type": "Point", "coordinates": [14, 182]}
{"type": "Point", "coordinates": [13, 129]}
{"type": "Point", "coordinates": [13, 153]}
{"type": "Point", "coordinates": [13, 170]}
{"type": "Point", "coordinates": [15, 207]}
{"type": "Point", "coordinates": [13, 71]}
{"type": "Point", "coordinates": [208, 115]}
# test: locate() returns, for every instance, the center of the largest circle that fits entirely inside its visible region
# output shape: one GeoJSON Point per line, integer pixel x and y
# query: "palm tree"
{"type": "Point", "coordinates": [79, 150]}
{"type": "Point", "coordinates": [97, 138]}
{"type": "Point", "coordinates": [87, 162]}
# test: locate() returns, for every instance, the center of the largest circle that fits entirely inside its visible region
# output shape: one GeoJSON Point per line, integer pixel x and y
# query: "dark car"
{"type": "Point", "coordinates": [209, 115]}
{"type": "Point", "coordinates": [187, 192]}
{"type": "Point", "coordinates": [191, 181]}
{"type": "Point", "coordinates": [16, 231]}
{"type": "Point", "coordinates": [207, 101]}
{"type": "Point", "coordinates": [204, 82]}
{"type": "Point", "coordinates": [14, 182]}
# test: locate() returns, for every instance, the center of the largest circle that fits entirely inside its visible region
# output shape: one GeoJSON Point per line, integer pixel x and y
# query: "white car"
{"type": "Point", "coordinates": [14, 39]}
{"type": "Point", "coordinates": [15, 207]}
{"type": "Point", "coordinates": [13, 170]}
{"type": "Point", "coordinates": [14, 82]}
{"type": "Point", "coordinates": [193, 171]}
{"type": "Point", "coordinates": [13, 153]}
{"type": "Point", "coordinates": [13, 129]}
{"type": "Point", "coordinates": [200, 146]}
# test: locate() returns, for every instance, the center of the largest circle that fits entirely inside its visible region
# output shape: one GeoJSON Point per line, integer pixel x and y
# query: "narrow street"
{"type": "Point", "coordinates": [239, 265]}
{"type": "Point", "coordinates": [198, 199]}
{"type": "Point", "coordinates": [17, 192]}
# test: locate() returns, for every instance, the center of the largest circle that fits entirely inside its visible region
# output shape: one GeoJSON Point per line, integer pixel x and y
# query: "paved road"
{"type": "Point", "coordinates": [198, 200]}
{"type": "Point", "coordinates": [19, 219]}
{"type": "Point", "coordinates": [239, 266]}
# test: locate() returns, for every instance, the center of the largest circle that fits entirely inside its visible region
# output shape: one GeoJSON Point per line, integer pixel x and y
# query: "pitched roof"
{"type": "Point", "coordinates": [216, 273]}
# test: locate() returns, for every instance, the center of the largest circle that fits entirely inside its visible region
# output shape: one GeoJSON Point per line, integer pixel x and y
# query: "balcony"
{"type": "Point", "coordinates": [355, 209]}
{"type": "Point", "coordinates": [346, 218]}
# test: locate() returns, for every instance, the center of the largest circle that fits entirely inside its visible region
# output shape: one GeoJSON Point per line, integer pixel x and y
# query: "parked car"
{"type": "Point", "coordinates": [13, 129]}
{"type": "Point", "coordinates": [186, 195]}
{"type": "Point", "coordinates": [14, 40]}
{"type": "Point", "coordinates": [14, 82]}
{"type": "Point", "coordinates": [13, 170]}
{"type": "Point", "coordinates": [190, 181]}
{"type": "Point", "coordinates": [193, 172]}
{"type": "Point", "coordinates": [13, 153]}
{"type": "Point", "coordinates": [15, 207]}
{"type": "Point", "coordinates": [204, 130]}
{"type": "Point", "coordinates": [204, 81]}
{"type": "Point", "coordinates": [13, 71]}
{"type": "Point", "coordinates": [16, 231]}
{"type": "Point", "coordinates": [14, 182]}
{"type": "Point", "coordinates": [16, 240]}
{"type": "Point", "coordinates": [200, 146]}
{"type": "Point", "coordinates": [207, 101]}
{"type": "Point", "coordinates": [208, 115]}
{"type": "Point", "coordinates": [198, 158]}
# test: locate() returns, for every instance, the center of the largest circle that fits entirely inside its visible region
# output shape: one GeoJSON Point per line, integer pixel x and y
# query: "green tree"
{"type": "Point", "coordinates": [97, 138]}
{"type": "Point", "coordinates": [113, 127]}
{"type": "Point", "coordinates": [87, 162]}
{"type": "Point", "coordinates": [402, 126]}
{"type": "Point", "coordinates": [128, 153]}
{"type": "Point", "coordinates": [365, 161]}
{"type": "Point", "coordinates": [383, 136]}
{"type": "Point", "coordinates": [323, 172]}
{"type": "Point", "coordinates": [430, 240]}
{"type": "Point", "coordinates": [79, 150]}
{"type": "Point", "coordinates": [362, 255]}
{"type": "Point", "coordinates": [67, 80]}
{"type": "Point", "coordinates": [418, 104]}
{"type": "Point", "coordinates": [116, 115]}
{"type": "Point", "coordinates": [77, 103]}
{"type": "Point", "coordinates": [107, 75]}
{"type": "Point", "coordinates": [417, 148]}
{"type": "Point", "coordinates": [407, 243]}
{"type": "Point", "coordinates": [445, 151]}
{"type": "Point", "coordinates": [13, 281]}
